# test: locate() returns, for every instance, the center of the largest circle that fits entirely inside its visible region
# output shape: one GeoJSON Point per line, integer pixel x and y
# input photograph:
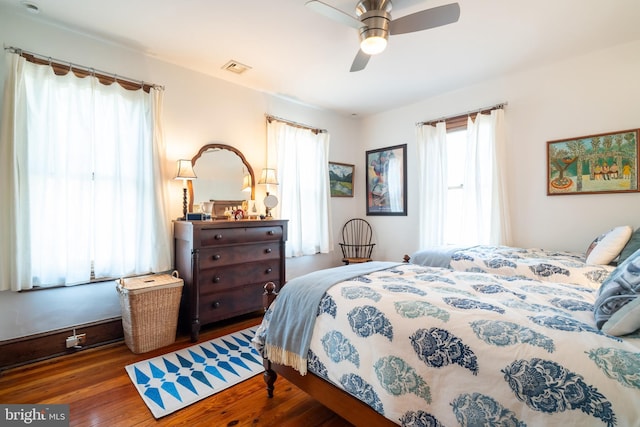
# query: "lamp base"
{"type": "Point", "coordinates": [184, 204]}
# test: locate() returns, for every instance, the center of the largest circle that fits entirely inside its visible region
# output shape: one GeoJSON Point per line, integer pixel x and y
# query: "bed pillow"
{"type": "Point", "coordinates": [607, 247]}
{"type": "Point", "coordinates": [617, 308]}
{"type": "Point", "coordinates": [632, 245]}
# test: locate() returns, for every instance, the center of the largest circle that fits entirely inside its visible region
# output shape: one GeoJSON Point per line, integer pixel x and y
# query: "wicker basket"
{"type": "Point", "coordinates": [150, 306]}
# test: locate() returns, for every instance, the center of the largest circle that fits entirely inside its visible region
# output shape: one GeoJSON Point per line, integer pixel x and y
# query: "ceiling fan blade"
{"type": "Point", "coordinates": [333, 13]}
{"type": "Point", "coordinates": [429, 18]}
{"type": "Point", "coordinates": [361, 60]}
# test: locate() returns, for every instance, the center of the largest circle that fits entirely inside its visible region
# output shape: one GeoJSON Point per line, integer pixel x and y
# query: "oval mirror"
{"type": "Point", "coordinates": [220, 171]}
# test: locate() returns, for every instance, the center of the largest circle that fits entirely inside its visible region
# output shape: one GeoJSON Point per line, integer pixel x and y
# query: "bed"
{"type": "Point", "coordinates": [405, 344]}
{"type": "Point", "coordinates": [589, 269]}
{"type": "Point", "coordinates": [540, 264]}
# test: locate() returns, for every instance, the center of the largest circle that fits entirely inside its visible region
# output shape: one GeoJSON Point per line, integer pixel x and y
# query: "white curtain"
{"type": "Point", "coordinates": [485, 216]}
{"type": "Point", "coordinates": [302, 163]}
{"type": "Point", "coordinates": [485, 212]}
{"type": "Point", "coordinates": [15, 239]}
{"type": "Point", "coordinates": [85, 181]}
{"type": "Point", "coordinates": [432, 158]}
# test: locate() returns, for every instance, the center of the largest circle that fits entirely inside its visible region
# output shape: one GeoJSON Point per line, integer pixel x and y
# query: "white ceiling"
{"type": "Point", "coordinates": [296, 53]}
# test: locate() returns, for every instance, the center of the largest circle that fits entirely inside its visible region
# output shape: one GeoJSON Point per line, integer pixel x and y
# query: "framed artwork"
{"type": "Point", "coordinates": [387, 181]}
{"type": "Point", "coordinates": [341, 179]}
{"type": "Point", "coordinates": [602, 163]}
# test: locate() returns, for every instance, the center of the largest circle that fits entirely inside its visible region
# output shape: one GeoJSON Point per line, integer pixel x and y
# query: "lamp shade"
{"type": "Point", "coordinates": [185, 170]}
{"type": "Point", "coordinates": [268, 176]}
{"type": "Point", "coordinates": [246, 183]}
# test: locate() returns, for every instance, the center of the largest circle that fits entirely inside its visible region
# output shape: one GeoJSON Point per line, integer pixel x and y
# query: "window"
{"type": "Point", "coordinates": [88, 180]}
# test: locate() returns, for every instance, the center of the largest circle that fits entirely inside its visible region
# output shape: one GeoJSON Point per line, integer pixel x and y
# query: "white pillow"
{"type": "Point", "coordinates": [624, 321]}
{"type": "Point", "coordinates": [607, 247]}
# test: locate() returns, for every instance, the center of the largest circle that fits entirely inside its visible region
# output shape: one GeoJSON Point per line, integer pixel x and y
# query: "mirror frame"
{"type": "Point", "coordinates": [222, 147]}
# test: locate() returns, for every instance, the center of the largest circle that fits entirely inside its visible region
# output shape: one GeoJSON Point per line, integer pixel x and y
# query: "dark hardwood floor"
{"type": "Point", "coordinates": [95, 385]}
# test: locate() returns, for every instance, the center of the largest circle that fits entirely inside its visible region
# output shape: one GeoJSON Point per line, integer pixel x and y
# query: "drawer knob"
{"type": "Point", "coordinates": [218, 236]}
{"type": "Point", "coordinates": [271, 232]}
{"type": "Point", "coordinates": [216, 257]}
{"type": "Point", "coordinates": [216, 279]}
{"type": "Point", "coordinates": [267, 251]}
{"type": "Point", "coordinates": [216, 304]}
{"type": "Point", "coordinates": [268, 270]}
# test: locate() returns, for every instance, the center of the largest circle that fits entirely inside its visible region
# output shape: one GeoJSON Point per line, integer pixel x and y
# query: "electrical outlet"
{"type": "Point", "coordinates": [76, 340]}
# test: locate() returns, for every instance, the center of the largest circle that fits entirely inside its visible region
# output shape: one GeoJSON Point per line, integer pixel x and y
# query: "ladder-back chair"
{"type": "Point", "coordinates": [356, 241]}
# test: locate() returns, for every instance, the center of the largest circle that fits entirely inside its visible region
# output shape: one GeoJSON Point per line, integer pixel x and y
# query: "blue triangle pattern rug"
{"type": "Point", "coordinates": [175, 380]}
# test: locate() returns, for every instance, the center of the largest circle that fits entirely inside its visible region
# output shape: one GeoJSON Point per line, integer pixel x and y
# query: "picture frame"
{"type": "Point", "coordinates": [593, 164]}
{"type": "Point", "coordinates": [386, 180]}
{"type": "Point", "coordinates": [341, 179]}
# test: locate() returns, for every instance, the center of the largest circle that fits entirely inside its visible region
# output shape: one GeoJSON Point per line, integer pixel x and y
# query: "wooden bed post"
{"type": "Point", "coordinates": [269, 295]}
{"type": "Point", "coordinates": [269, 375]}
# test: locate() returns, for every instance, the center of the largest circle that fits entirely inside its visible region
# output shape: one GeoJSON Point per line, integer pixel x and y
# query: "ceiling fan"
{"type": "Point", "coordinates": [374, 24]}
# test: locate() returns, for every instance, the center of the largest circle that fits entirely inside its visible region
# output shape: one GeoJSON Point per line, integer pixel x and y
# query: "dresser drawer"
{"type": "Point", "coordinates": [223, 305]}
{"type": "Point", "coordinates": [227, 277]}
{"type": "Point", "coordinates": [226, 255]}
{"type": "Point", "coordinates": [225, 236]}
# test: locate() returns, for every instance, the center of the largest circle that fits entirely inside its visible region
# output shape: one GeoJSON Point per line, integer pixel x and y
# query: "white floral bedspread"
{"type": "Point", "coordinates": [434, 347]}
{"type": "Point", "coordinates": [540, 264]}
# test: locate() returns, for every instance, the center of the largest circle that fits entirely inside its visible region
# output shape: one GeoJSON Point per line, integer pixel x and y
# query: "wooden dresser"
{"type": "Point", "coordinates": [225, 265]}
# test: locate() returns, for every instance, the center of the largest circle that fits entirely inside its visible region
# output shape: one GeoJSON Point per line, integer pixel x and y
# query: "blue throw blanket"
{"type": "Point", "coordinates": [294, 312]}
{"type": "Point", "coordinates": [439, 256]}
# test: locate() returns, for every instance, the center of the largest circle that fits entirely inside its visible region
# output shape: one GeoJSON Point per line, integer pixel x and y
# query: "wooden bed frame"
{"type": "Point", "coordinates": [334, 398]}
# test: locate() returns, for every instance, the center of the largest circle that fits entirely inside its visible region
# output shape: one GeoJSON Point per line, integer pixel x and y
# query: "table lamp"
{"type": "Point", "coordinates": [185, 173]}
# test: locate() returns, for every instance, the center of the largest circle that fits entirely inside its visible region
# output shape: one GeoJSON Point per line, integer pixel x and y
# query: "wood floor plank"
{"type": "Point", "coordinates": [99, 392]}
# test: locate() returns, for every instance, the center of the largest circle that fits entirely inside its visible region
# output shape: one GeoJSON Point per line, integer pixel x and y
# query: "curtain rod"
{"type": "Point", "coordinates": [294, 124]}
{"type": "Point", "coordinates": [102, 75]}
{"type": "Point", "coordinates": [477, 111]}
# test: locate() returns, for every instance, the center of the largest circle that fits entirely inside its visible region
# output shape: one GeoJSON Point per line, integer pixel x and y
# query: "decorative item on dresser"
{"type": "Point", "coordinates": [225, 265]}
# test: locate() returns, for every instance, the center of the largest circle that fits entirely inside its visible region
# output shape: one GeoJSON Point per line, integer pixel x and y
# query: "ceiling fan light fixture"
{"type": "Point", "coordinates": [373, 45]}
{"type": "Point", "coordinates": [375, 30]}
{"type": "Point", "coordinates": [374, 24]}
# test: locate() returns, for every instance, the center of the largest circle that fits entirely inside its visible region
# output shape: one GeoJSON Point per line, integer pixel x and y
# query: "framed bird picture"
{"type": "Point", "coordinates": [386, 181]}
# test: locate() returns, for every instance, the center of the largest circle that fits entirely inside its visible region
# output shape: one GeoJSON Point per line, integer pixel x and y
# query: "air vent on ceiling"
{"type": "Point", "coordinates": [235, 67]}
{"type": "Point", "coordinates": [31, 7]}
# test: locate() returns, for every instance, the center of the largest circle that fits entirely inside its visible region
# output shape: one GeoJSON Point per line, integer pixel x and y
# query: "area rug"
{"type": "Point", "coordinates": [175, 380]}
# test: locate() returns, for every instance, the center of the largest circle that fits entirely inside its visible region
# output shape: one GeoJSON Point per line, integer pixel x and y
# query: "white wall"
{"type": "Point", "coordinates": [585, 95]}
{"type": "Point", "coordinates": [198, 110]}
